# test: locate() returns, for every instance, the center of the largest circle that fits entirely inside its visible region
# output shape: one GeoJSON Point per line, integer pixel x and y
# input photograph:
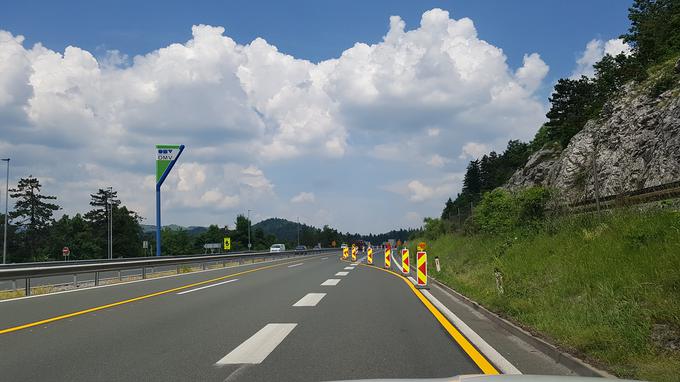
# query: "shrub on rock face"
{"type": "Point", "coordinates": [501, 211]}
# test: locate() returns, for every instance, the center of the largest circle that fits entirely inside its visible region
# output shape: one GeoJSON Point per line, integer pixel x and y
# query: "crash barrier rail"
{"type": "Point", "coordinates": [644, 195]}
{"type": "Point", "coordinates": [75, 268]}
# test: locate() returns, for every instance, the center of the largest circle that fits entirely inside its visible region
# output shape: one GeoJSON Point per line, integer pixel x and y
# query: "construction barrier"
{"type": "Point", "coordinates": [388, 251]}
{"type": "Point", "coordinates": [421, 262]}
{"type": "Point", "coordinates": [345, 253]}
{"type": "Point", "coordinates": [369, 256]}
{"type": "Point", "coordinates": [354, 253]}
{"type": "Point", "coordinates": [404, 261]}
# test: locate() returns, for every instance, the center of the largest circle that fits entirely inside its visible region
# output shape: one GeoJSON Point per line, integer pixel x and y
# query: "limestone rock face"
{"type": "Point", "coordinates": [635, 143]}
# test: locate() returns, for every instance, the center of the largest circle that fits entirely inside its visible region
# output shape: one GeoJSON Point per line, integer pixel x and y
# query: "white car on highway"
{"type": "Point", "coordinates": [277, 248]}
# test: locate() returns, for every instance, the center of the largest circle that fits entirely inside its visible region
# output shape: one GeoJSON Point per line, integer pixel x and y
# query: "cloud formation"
{"type": "Point", "coordinates": [595, 50]}
{"type": "Point", "coordinates": [303, 197]}
{"type": "Point", "coordinates": [243, 110]}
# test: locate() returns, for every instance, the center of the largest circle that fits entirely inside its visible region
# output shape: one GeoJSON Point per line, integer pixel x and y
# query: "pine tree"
{"type": "Point", "coordinates": [32, 214]}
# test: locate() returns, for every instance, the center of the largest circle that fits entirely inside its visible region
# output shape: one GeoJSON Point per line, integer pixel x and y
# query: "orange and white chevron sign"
{"type": "Point", "coordinates": [354, 253]}
{"type": "Point", "coordinates": [369, 255]}
{"type": "Point", "coordinates": [345, 253]}
{"type": "Point", "coordinates": [388, 251]}
{"type": "Point", "coordinates": [404, 261]}
{"type": "Point", "coordinates": [421, 263]}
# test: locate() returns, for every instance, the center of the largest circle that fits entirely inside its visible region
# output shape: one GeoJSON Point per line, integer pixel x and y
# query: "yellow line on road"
{"type": "Point", "coordinates": [144, 297]}
{"type": "Point", "coordinates": [468, 348]}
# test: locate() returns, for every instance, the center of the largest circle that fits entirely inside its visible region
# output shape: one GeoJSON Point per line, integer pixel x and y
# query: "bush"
{"type": "Point", "coordinates": [434, 228]}
{"type": "Point", "coordinates": [501, 211]}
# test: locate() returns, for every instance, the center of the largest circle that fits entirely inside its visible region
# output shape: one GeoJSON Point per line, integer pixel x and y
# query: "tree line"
{"type": "Point", "coordinates": [34, 234]}
{"type": "Point", "coordinates": [654, 36]}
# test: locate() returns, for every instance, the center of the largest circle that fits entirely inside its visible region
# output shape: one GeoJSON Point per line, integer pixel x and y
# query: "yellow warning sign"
{"type": "Point", "coordinates": [227, 243]}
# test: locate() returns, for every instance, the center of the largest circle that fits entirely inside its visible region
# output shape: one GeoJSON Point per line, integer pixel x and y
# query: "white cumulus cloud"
{"type": "Point", "coordinates": [595, 50]}
{"type": "Point", "coordinates": [474, 150]}
{"type": "Point", "coordinates": [303, 197]}
{"type": "Point", "coordinates": [243, 110]}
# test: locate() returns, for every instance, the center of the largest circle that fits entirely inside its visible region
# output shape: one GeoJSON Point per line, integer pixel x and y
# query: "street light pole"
{"type": "Point", "coordinates": [298, 229]}
{"type": "Point", "coordinates": [249, 245]}
{"type": "Point", "coordinates": [4, 242]}
{"type": "Point", "coordinates": [109, 204]}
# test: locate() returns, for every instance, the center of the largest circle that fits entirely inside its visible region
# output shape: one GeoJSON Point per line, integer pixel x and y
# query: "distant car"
{"type": "Point", "coordinates": [277, 248]}
{"type": "Point", "coordinates": [301, 248]}
{"type": "Point", "coordinates": [344, 245]}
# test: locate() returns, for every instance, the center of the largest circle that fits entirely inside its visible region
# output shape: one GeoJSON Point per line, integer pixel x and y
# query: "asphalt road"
{"type": "Point", "coordinates": [307, 319]}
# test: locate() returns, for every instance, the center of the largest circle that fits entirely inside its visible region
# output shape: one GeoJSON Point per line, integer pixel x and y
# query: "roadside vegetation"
{"type": "Point", "coordinates": [605, 288]}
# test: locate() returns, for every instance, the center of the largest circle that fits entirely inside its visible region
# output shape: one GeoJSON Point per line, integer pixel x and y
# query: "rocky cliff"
{"type": "Point", "coordinates": [633, 144]}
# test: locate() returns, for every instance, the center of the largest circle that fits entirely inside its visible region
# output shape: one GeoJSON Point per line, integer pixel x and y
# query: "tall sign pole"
{"type": "Point", "coordinates": [166, 157]}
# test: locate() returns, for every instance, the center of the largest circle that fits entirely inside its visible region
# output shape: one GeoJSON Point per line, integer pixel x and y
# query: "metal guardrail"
{"type": "Point", "coordinates": [36, 270]}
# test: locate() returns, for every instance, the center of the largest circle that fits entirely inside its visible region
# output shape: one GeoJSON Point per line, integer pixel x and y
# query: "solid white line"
{"type": "Point", "coordinates": [294, 265]}
{"type": "Point", "coordinates": [342, 273]}
{"type": "Point", "coordinates": [208, 286]}
{"type": "Point", "coordinates": [311, 299]}
{"type": "Point", "coordinates": [349, 268]}
{"type": "Point", "coordinates": [256, 348]}
{"type": "Point", "coordinates": [492, 354]}
{"type": "Point", "coordinates": [330, 282]}
{"type": "Point", "coordinates": [324, 258]}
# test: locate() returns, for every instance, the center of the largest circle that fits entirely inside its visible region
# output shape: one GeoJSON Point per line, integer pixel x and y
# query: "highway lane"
{"type": "Point", "coordinates": [369, 325]}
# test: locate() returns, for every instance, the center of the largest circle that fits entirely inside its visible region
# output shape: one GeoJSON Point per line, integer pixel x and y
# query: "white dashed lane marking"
{"type": "Point", "coordinates": [311, 299]}
{"type": "Point", "coordinates": [256, 348]}
{"type": "Point", "coordinates": [330, 282]}
{"type": "Point", "coordinates": [208, 286]}
{"type": "Point", "coordinates": [342, 273]}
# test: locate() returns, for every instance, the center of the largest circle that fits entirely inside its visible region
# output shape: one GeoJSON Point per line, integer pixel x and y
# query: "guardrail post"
{"type": "Point", "coordinates": [96, 278]}
{"type": "Point", "coordinates": [203, 265]}
{"type": "Point", "coordinates": [14, 285]}
{"type": "Point", "coordinates": [75, 280]}
{"type": "Point", "coordinates": [177, 268]}
{"type": "Point", "coordinates": [143, 272]}
{"type": "Point", "coordinates": [120, 275]}
{"type": "Point", "coordinates": [224, 263]}
{"type": "Point", "coordinates": [28, 286]}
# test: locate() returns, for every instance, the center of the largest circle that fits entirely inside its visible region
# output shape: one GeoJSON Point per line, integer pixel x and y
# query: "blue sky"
{"type": "Point", "coordinates": [362, 152]}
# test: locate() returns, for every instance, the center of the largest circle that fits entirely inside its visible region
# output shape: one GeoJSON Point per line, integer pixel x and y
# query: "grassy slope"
{"type": "Point", "coordinates": [595, 287]}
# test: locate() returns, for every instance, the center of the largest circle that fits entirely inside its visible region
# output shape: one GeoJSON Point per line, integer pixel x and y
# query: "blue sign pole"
{"type": "Point", "coordinates": [159, 183]}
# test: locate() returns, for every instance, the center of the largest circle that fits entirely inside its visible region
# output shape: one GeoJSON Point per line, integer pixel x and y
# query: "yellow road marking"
{"type": "Point", "coordinates": [144, 297]}
{"type": "Point", "coordinates": [468, 348]}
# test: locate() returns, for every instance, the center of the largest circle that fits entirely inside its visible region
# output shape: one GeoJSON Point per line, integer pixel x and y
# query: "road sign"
{"type": "Point", "coordinates": [354, 253]}
{"type": "Point", "coordinates": [421, 262]}
{"type": "Point", "coordinates": [404, 261]}
{"type": "Point", "coordinates": [388, 251]}
{"type": "Point", "coordinates": [166, 157]}
{"type": "Point", "coordinates": [399, 243]}
{"type": "Point", "coordinates": [227, 243]}
{"type": "Point", "coordinates": [345, 253]}
{"type": "Point", "coordinates": [65, 251]}
{"type": "Point", "coordinates": [369, 256]}
{"type": "Point", "coordinates": [421, 246]}
{"type": "Point", "coordinates": [333, 244]}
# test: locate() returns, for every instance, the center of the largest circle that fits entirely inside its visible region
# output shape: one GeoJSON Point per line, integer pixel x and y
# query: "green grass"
{"type": "Point", "coordinates": [596, 287]}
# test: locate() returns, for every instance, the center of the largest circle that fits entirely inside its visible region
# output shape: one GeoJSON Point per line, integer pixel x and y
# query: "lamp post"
{"type": "Point", "coordinates": [109, 205]}
{"type": "Point", "coordinates": [298, 230]}
{"type": "Point", "coordinates": [4, 242]}
{"type": "Point", "coordinates": [249, 244]}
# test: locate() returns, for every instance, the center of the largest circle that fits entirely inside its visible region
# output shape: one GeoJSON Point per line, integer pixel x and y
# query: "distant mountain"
{"type": "Point", "coordinates": [192, 230]}
{"type": "Point", "coordinates": [284, 230]}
